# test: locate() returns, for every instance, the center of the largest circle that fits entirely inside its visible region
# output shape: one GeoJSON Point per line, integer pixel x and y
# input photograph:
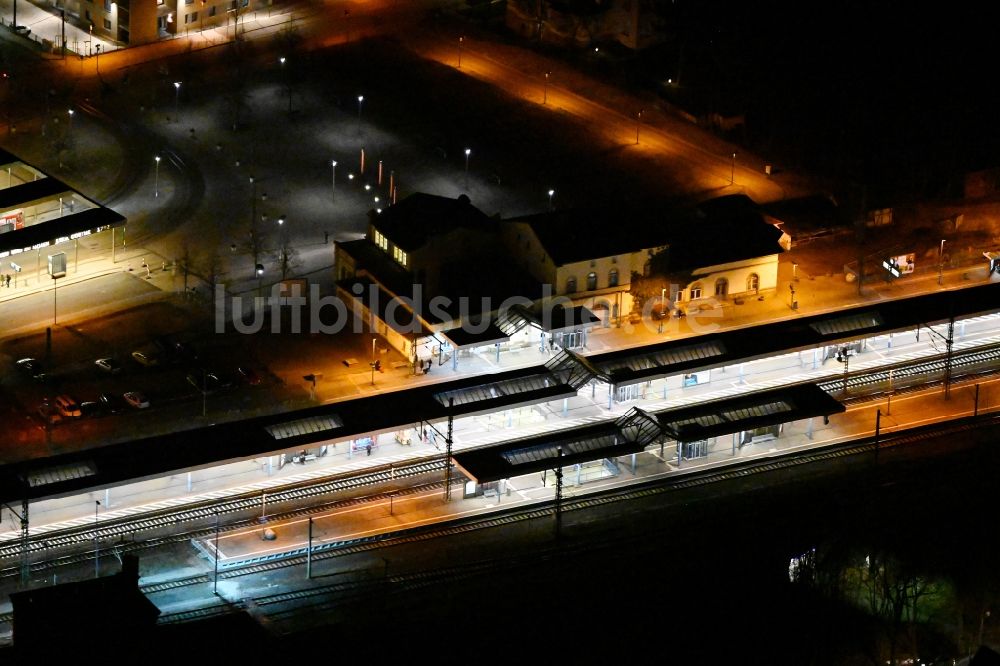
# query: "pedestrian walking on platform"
{"type": "Point", "coordinates": [368, 448]}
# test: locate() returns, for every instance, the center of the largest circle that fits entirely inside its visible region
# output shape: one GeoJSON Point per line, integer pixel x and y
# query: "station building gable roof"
{"type": "Point", "coordinates": [721, 231]}
{"type": "Point", "coordinates": [717, 231]}
{"type": "Point", "coordinates": [412, 221]}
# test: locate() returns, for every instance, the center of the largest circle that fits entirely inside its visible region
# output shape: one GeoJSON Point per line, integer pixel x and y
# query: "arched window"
{"type": "Point", "coordinates": [721, 287]}
{"type": "Point", "coordinates": [591, 281]}
{"type": "Point", "coordinates": [613, 277]}
{"type": "Point", "coordinates": [753, 282]}
{"type": "Point", "coordinates": [696, 291]}
{"type": "Point", "coordinates": [570, 285]}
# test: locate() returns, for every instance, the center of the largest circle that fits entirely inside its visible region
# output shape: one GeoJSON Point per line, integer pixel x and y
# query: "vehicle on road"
{"type": "Point", "coordinates": [136, 399]}
{"type": "Point", "coordinates": [67, 406]}
{"type": "Point", "coordinates": [111, 403]}
{"type": "Point", "coordinates": [248, 375]}
{"type": "Point", "coordinates": [109, 365]}
{"type": "Point", "coordinates": [145, 359]}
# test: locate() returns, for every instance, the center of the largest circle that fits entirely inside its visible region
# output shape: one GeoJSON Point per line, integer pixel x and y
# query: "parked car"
{"type": "Point", "coordinates": [184, 353]}
{"type": "Point", "coordinates": [136, 399]}
{"type": "Point", "coordinates": [67, 406]}
{"type": "Point", "coordinates": [111, 403]}
{"type": "Point", "coordinates": [49, 414]}
{"type": "Point", "coordinates": [109, 365]}
{"type": "Point", "coordinates": [145, 359]}
{"type": "Point", "coordinates": [248, 375]}
{"type": "Point", "coordinates": [31, 367]}
{"type": "Point", "coordinates": [208, 381]}
{"type": "Point", "coordinates": [91, 408]}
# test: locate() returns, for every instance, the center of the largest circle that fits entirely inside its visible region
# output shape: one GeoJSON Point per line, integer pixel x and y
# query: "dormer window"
{"type": "Point", "coordinates": [399, 255]}
{"type": "Point", "coordinates": [380, 239]}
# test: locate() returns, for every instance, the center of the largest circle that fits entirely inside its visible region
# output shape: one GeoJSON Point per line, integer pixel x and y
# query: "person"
{"type": "Point", "coordinates": [368, 448]}
{"type": "Point", "coordinates": [7, 278]}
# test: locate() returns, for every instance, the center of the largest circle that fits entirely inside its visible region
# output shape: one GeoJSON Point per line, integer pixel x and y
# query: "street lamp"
{"type": "Point", "coordinates": [156, 193]}
{"type": "Point", "coordinates": [333, 185]}
{"type": "Point", "coordinates": [638, 120]}
{"type": "Point", "coordinates": [941, 261]}
{"type": "Point", "coordinates": [545, 90]}
{"type": "Point", "coordinates": [460, 40]}
{"type": "Point", "coordinates": [70, 130]}
{"type": "Point", "coordinates": [551, 193]}
{"type": "Point", "coordinates": [259, 269]}
{"type": "Point", "coordinates": [468, 151]}
{"type": "Point", "coordinates": [177, 97]}
{"type": "Point", "coordinates": [373, 361]}
{"type": "Point", "coordinates": [361, 99]}
{"type": "Point", "coordinates": [732, 173]}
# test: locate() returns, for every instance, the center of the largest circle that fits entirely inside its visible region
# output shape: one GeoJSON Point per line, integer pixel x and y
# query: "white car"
{"type": "Point", "coordinates": [136, 399]}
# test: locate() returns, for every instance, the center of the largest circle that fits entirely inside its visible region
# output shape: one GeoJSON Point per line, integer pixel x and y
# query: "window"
{"type": "Point", "coordinates": [380, 239]}
{"type": "Point", "coordinates": [107, 24]}
{"type": "Point", "coordinates": [695, 291]}
{"type": "Point", "coordinates": [722, 287]}
{"type": "Point", "coordinates": [211, 10]}
{"type": "Point", "coordinates": [399, 255]}
{"type": "Point", "coordinates": [613, 277]}
{"type": "Point", "coordinates": [753, 282]}
{"type": "Point", "coordinates": [570, 285]}
{"type": "Point", "coordinates": [107, 5]}
{"type": "Point", "coordinates": [591, 281]}
{"type": "Point", "coordinates": [87, 15]}
{"type": "Point", "coordinates": [188, 2]}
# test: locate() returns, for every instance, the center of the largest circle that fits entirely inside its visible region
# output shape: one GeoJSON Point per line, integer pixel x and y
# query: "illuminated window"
{"type": "Point", "coordinates": [591, 281]}
{"type": "Point", "coordinates": [399, 255]}
{"type": "Point", "coordinates": [380, 240]}
{"type": "Point", "coordinates": [753, 282]}
{"type": "Point", "coordinates": [613, 278]}
{"type": "Point", "coordinates": [570, 285]}
{"type": "Point", "coordinates": [696, 292]}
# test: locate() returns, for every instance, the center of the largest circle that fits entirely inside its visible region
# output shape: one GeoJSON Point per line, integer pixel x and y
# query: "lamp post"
{"type": "Point", "coordinates": [468, 151]}
{"type": "Point", "coordinates": [69, 131]}
{"type": "Point", "coordinates": [551, 193]}
{"type": "Point", "coordinates": [284, 74]}
{"type": "Point", "coordinates": [545, 90]}
{"type": "Point", "coordinates": [941, 261]}
{"type": "Point", "coordinates": [373, 361]}
{"type": "Point", "coordinates": [333, 183]}
{"type": "Point", "coordinates": [460, 40]}
{"type": "Point", "coordinates": [253, 218]}
{"type": "Point", "coordinates": [259, 269]}
{"type": "Point", "coordinates": [156, 192]}
{"type": "Point", "coordinates": [732, 172]}
{"type": "Point", "coordinates": [97, 553]}
{"type": "Point", "coordinates": [361, 99]}
{"type": "Point", "coordinates": [638, 120]}
{"type": "Point", "coordinates": [177, 98]}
